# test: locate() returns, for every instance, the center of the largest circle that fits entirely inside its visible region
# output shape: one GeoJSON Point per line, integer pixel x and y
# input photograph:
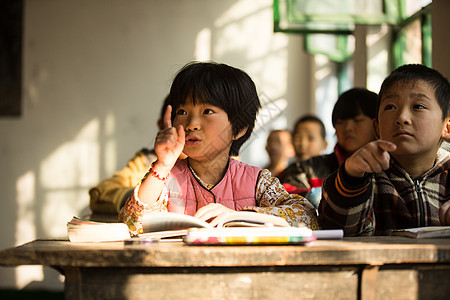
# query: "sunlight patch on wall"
{"type": "Point", "coordinates": [26, 190]}
{"type": "Point", "coordinates": [244, 29]}
{"type": "Point", "coordinates": [67, 203]}
{"type": "Point", "coordinates": [25, 226]}
{"type": "Point", "coordinates": [65, 176]}
{"type": "Point", "coordinates": [273, 74]}
{"type": "Point", "coordinates": [244, 33]}
{"type": "Point", "coordinates": [74, 163]}
{"type": "Point", "coordinates": [203, 45]}
{"type": "Point", "coordinates": [240, 10]}
{"type": "Point", "coordinates": [110, 152]}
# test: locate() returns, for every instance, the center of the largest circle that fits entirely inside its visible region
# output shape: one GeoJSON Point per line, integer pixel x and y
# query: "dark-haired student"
{"type": "Point", "coordinates": [352, 120]}
{"type": "Point", "coordinates": [309, 137]}
{"type": "Point", "coordinates": [280, 150]}
{"type": "Point", "coordinates": [212, 112]}
{"type": "Point", "coordinates": [402, 179]}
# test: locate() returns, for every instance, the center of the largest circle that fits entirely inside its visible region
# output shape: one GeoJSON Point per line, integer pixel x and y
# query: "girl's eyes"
{"type": "Point", "coordinates": [181, 111]}
{"type": "Point", "coordinates": [208, 111]}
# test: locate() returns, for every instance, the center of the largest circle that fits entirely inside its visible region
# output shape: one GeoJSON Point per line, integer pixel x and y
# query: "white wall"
{"type": "Point", "coordinates": [94, 76]}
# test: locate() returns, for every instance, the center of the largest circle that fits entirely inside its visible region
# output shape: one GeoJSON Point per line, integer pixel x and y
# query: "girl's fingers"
{"type": "Point", "coordinates": [213, 213]}
{"type": "Point", "coordinates": [203, 212]}
{"type": "Point", "coordinates": [208, 212]}
{"type": "Point", "coordinates": [167, 117]}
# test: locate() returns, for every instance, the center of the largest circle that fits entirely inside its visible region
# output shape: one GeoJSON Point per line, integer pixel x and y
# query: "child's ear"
{"type": "Point", "coordinates": [446, 130]}
{"type": "Point", "coordinates": [240, 134]}
{"type": "Point", "coordinates": [325, 144]}
{"type": "Point", "coordinates": [376, 128]}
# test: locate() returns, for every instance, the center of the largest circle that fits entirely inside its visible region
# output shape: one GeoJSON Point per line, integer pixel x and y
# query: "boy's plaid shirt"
{"type": "Point", "coordinates": [376, 204]}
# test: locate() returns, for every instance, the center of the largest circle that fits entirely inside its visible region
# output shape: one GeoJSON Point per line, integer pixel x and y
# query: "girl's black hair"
{"type": "Point", "coordinates": [413, 72]}
{"type": "Point", "coordinates": [354, 102]}
{"type": "Point", "coordinates": [223, 86]}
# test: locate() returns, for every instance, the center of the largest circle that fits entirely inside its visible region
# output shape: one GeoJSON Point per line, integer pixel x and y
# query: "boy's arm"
{"type": "Point", "coordinates": [347, 203]}
{"type": "Point", "coordinates": [347, 195]}
{"type": "Point", "coordinates": [272, 198]}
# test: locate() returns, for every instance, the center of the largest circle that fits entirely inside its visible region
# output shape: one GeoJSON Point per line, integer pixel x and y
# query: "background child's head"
{"type": "Point", "coordinates": [220, 85]}
{"type": "Point", "coordinates": [411, 73]}
{"type": "Point", "coordinates": [279, 145]}
{"type": "Point", "coordinates": [352, 119]}
{"type": "Point", "coordinates": [309, 137]}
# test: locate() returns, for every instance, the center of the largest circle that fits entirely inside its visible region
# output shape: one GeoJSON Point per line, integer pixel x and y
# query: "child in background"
{"type": "Point", "coordinates": [352, 120]}
{"type": "Point", "coordinates": [212, 112]}
{"type": "Point", "coordinates": [280, 149]}
{"type": "Point", "coordinates": [402, 179]}
{"type": "Point", "coordinates": [309, 137]}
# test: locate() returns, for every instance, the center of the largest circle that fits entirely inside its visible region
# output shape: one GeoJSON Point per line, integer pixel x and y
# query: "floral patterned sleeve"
{"type": "Point", "coordinates": [272, 198]}
{"type": "Point", "coordinates": [134, 209]}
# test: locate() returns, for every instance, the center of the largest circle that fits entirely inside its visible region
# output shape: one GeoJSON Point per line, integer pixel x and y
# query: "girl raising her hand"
{"type": "Point", "coordinates": [212, 112]}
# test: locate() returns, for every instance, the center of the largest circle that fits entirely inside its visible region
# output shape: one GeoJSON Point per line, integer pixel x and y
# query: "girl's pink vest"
{"type": "Point", "coordinates": [236, 189]}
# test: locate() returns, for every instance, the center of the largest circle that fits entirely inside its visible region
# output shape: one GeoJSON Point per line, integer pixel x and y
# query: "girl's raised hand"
{"type": "Point", "coordinates": [169, 142]}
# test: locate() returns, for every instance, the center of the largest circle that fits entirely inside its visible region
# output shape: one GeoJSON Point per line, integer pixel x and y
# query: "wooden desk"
{"type": "Point", "coordinates": [353, 268]}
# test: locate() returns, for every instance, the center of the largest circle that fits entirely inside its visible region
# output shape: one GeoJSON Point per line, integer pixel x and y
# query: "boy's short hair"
{"type": "Point", "coordinates": [223, 86]}
{"type": "Point", "coordinates": [414, 72]}
{"type": "Point", "coordinates": [311, 118]}
{"type": "Point", "coordinates": [354, 102]}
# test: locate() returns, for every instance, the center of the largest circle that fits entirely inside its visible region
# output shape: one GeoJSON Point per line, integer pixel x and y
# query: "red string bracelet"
{"type": "Point", "coordinates": [157, 175]}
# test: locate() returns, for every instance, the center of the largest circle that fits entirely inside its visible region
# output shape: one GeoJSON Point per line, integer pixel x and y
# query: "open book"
{"type": "Point", "coordinates": [424, 232]}
{"type": "Point", "coordinates": [162, 225]}
{"type": "Point", "coordinates": [238, 228]}
{"type": "Point", "coordinates": [163, 221]}
{"type": "Point", "coordinates": [82, 230]}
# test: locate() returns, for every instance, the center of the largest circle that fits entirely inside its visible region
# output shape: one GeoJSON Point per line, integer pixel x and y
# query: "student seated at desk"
{"type": "Point", "coordinates": [309, 137]}
{"type": "Point", "coordinates": [352, 119]}
{"type": "Point", "coordinates": [212, 112]}
{"type": "Point", "coordinates": [279, 149]}
{"type": "Point", "coordinates": [402, 179]}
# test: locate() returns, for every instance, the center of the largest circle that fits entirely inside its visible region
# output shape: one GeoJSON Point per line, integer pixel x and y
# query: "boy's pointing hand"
{"type": "Point", "coordinates": [371, 158]}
